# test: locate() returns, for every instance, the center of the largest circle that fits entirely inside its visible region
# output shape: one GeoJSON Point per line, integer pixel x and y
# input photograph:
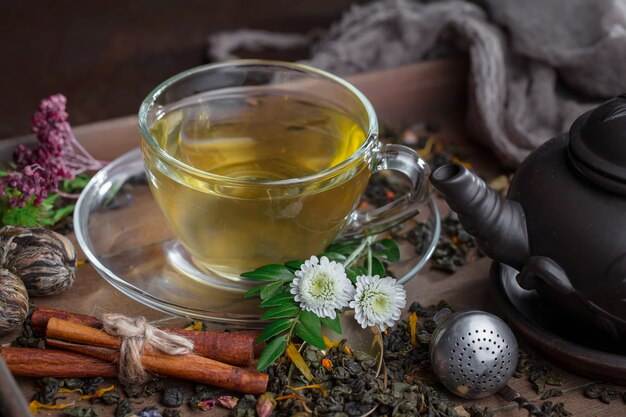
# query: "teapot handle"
{"type": "Point", "coordinates": [546, 270]}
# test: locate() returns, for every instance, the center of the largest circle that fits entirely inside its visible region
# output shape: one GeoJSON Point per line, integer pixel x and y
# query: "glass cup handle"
{"type": "Point", "coordinates": [406, 161]}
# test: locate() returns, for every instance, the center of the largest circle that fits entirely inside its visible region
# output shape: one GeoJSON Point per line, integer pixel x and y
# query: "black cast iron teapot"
{"type": "Point", "coordinates": [563, 224]}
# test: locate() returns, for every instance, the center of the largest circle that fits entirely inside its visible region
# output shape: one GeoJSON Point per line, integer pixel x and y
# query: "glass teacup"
{"type": "Point", "coordinates": [257, 162]}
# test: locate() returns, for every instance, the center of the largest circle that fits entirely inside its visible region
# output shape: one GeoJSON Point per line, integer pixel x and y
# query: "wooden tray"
{"type": "Point", "coordinates": [432, 91]}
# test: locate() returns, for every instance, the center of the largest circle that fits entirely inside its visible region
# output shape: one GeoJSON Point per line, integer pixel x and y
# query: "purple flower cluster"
{"type": "Point", "coordinates": [57, 156]}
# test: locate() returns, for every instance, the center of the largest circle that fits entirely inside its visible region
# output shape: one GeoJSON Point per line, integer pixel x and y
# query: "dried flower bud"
{"type": "Point", "coordinates": [227, 401]}
{"type": "Point", "coordinates": [43, 259]}
{"type": "Point", "coordinates": [13, 301]}
{"type": "Point", "coordinates": [265, 404]}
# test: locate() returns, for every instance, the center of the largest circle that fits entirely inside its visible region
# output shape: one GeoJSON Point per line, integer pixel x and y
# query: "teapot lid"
{"type": "Point", "coordinates": [597, 145]}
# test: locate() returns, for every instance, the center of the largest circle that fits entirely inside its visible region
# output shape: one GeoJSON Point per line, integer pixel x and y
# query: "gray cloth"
{"type": "Point", "coordinates": [535, 65]}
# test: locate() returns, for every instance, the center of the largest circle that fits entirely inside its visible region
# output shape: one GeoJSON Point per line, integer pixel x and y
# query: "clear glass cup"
{"type": "Point", "coordinates": [256, 162]}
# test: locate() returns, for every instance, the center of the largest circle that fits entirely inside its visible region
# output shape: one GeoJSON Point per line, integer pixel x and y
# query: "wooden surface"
{"type": "Point", "coordinates": [428, 92]}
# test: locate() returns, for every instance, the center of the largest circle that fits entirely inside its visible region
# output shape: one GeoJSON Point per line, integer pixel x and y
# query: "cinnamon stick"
{"type": "Point", "coordinates": [49, 362]}
{"type": "Point", "coordinates": [235, 348]}
{"type": "Point", "coordinates": [39, 318]}
{"type": "Point", "coordinates": [192, 367]}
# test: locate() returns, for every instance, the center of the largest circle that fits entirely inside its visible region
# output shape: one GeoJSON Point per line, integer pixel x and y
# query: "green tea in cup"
{"type": "Point", "coordinates": [259, 162]}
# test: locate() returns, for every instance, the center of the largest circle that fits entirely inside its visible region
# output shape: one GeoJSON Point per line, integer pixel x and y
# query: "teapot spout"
{"type": "Point", "coordinates": [497, 224]}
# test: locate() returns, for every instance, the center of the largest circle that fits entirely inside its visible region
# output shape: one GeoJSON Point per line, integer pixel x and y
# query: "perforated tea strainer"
{"type": "Point", "coordinates": [474, 354]}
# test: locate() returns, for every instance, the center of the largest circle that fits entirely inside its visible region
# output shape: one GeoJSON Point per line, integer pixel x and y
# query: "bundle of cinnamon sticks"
{"type": "Point", "coordinates": [219, 359]}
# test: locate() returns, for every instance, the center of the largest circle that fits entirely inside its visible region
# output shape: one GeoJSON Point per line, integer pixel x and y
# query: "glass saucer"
{"type": "Point", "coordinates": [125, 237]}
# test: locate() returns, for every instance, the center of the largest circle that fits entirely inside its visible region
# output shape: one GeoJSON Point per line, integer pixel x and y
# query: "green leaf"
{"type": "Point", "coordinates": [62, 213]}
{"type": "Point", "coordinates": [269, 290]}
{"type": "Point", "coordinates": [345, 248]}
{"type": "Point", "coordinates": [272, 351]}
{"type": "Point", "coordinates": [311, 321]}
{"type": "Point", "coordinates": [377, 267]}
{"type": "Point", "coordinates": [29, 216]}
{"type": "Point", "coordinates": [271, 272]}
{"type": "Point", "coordinates": [294, 265]}
{"type": "Point", "coordinates": [310, 337]}
{"type": "Point", "coordinates": [334, 256]}
{"type": "Point", "coordinates": [355, 271]}
{"type": "Point", "coordinates": [274, 329]}
{"type": "Point", "coordinates": [285, 310]}
{"type": "Point", "coordinates": [332, 324]}
{"type": "Point", "coordinates": [278, 299]}
{"type": "Point", "coordinates": [253, 291]}
{"type": "Point", "coordinates": [387, 249]}
{"type": "Point", "coordinates": [76, 184]}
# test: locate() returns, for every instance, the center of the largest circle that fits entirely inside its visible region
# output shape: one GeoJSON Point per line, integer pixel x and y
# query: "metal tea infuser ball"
{"type": "Point", "coordinates": [474, 354]}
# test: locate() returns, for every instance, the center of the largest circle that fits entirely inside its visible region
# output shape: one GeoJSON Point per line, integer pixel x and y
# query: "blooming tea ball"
{"type": "Point", "coordinates": [13, 301]}
{"type": "Point", "coordinates": [43, 259]}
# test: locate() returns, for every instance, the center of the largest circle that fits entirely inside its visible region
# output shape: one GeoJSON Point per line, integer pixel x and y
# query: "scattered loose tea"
{"type": "Point", "coordinates": [29, 338]}
{"type": "Point", "coordinates": [123, 408]}
{"type": "Point", "coordinates": [80, 412]}
{"type": "Point", "coordinates": [172, 397]}
{"type": "Point", "coordinates": [91, 385]}
{"type": "Point", "coordinates": [604, 394]}
{"type": "Point", "coordinates": [474, 411]}
{"type": "Point", "coordinates": [13, 301]}
{"type": "Point", "coordinates": [246, 407]}
{"type": "Point", "coordinates": [71, 383]}
{"type": "Point", "coordinates": [447, 258]}
{"type": "Point", "coordinates": [152, 387]}
{"type": "Point", "coordinates": [48, 389]}
{"type": "Point", "coordinates": [43, 259]}
{"type": "Point", "coordinates": [109, 397]}
{"type": "Point", "coordinates": [454, 247]}
{"type": "Point", "coordinates": [538, 373]}
{"type": "Point", "coordinates": [551, 393]}
{"type": "Point", "coordinates": [202, 393]}
{"type": "Point", "coordinates": [555, 410]}
{"type": "Point", "coordinates": [420, 236]}
{"type": "Point", "coordinates": [345, 382]}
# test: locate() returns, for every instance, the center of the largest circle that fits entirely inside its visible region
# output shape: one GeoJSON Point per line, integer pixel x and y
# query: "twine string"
{"type": "Point", "coordinates": [135, 333]}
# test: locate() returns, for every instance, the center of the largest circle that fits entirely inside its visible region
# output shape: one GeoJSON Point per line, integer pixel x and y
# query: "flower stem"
{"type": "Point", "coordinates": [369, 260]}
{"type": "Point", "coordinates": [355, 255]}
{"type": "Point", "coordinates": [68, 195]}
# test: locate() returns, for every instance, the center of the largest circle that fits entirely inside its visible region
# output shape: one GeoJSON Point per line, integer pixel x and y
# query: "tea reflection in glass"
{"type": "Point", "coordinates": [246, 212]}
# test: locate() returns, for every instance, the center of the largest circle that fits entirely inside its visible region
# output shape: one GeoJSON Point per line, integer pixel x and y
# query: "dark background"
{"type": "Point", "coordinates": [105, 56]}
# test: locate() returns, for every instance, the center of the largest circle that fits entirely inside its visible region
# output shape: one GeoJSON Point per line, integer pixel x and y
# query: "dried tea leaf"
{"type": "Point", "coordinates": [172, 397]}
{"type": "Point", "coordinates": [552, 392]}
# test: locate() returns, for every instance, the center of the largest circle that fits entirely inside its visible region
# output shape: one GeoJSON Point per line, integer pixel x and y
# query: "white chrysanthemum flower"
{"type": "Point", "coordinates": [322, 287]}
{"type": "Point", "coordinates": [378, 301]}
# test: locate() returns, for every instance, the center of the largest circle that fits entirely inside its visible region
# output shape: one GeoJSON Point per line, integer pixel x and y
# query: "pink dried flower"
{"type": "Point", "coordinates": [227, 401]}
{"type": "Point", "coordinates": [206, 405]}
{"type": "Point", "coordinates": [57, 157]}
{"type": "Point", "coordinates": [265, 404]}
